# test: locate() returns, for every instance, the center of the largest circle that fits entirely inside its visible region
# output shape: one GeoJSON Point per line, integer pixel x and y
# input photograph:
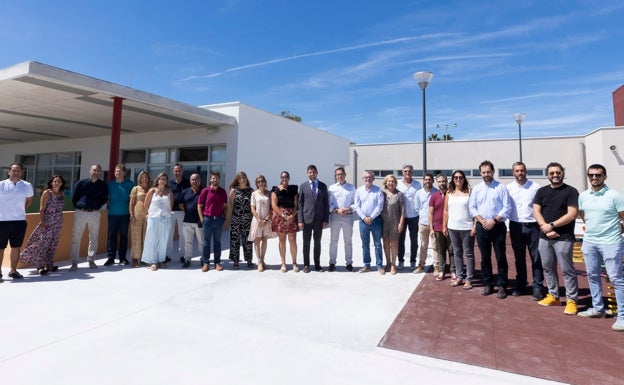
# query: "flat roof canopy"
{"type": "Point", "coordinates": [41, 102]}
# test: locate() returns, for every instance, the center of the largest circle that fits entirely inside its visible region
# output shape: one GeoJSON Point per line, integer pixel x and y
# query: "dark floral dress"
{"type": "Point", "coordinates": [42, 244]}
{"type": "Point", "coordinates": [240, 223]}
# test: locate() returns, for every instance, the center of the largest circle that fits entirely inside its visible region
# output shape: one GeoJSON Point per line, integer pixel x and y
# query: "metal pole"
{"type": "Point", "coordinates": [424, 134]}
{"type": "Point", "coordinates": [520, 139]}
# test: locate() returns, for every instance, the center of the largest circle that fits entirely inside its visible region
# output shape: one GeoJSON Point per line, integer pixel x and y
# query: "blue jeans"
{"type": "Point", "coordinates": [594, 254]}
{"type": "Point", "coordinates": [118, 224]}
{"type": "Point", "coordinates": [488, 240]}
{"type": "Point", "coordinates": [365, 231]}
{"type": "Point", "coordinates": [523, 236]}
{"type": "Point", "coordinates": [213, 227]}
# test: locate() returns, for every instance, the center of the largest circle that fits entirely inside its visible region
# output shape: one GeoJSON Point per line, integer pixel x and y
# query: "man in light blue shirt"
{"type": "Point", "coordinates": [490, 205]}
{"type": "Point", "coordinates": [602, 210]}
{"type": "Point", "coordinates": [369, 201]}
{"type": "Point", "coordinates": [422, 201]}
{"type": "Point", "coordinates": [408, 187]}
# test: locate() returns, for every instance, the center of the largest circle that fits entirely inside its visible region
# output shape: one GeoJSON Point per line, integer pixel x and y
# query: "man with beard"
{"type": "Point", "coordinates": [408, 187]}
{"type": "Point", "coordinates": [422, 200]}
{"type": "Point", "coordinates": [489, 205]}
{"type": "Point", "coordinates": [177, 184]}
{"type": "Point", "coordinates": [602, 210]}
{"type": "Point", "coordinates": [555, 208]}
{"type": "Point", "coordinates": [524, 232]}
{"type": "Point", "coordinates": [442, 242]}
{"type": "Point", "coordinates": [211, 208]}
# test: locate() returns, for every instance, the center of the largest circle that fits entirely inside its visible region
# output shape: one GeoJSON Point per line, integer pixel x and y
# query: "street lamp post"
{"type": "Point", "coordinates": [519, 118]}
{"type": "Point", "coordinates": [423, 78]}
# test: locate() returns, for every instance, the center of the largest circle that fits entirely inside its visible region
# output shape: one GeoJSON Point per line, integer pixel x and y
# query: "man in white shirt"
{"type": "Point", "coordinates": [16, 195]}
{"type": "Point", "coordinates": [422, 200]}
{"type": "Point", "coordinates": [341, 198]}
{"type": "Point", "coordinates": [408, 186]}
{"type": "Point", "coordinates": [524, 232]}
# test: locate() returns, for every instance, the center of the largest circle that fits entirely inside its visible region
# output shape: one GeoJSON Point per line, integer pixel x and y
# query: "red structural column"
{"type": "Point", "coordinates": [115, 137]}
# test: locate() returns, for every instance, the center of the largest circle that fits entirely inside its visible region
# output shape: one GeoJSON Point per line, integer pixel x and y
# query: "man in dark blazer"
{"type": "Point", "coordinates": [313, 216]}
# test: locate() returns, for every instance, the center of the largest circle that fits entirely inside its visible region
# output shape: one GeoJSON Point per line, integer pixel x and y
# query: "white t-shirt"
{"type": "Point", "coordinates": [13, 199]}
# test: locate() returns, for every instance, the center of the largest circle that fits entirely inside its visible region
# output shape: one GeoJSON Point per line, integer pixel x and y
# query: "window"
{"type": "Point", "coordinates": [39, 168]}
{"type": "Point", "coordinates": [508, 172]}
{"type": "Point", "coordinates": [198, 159]}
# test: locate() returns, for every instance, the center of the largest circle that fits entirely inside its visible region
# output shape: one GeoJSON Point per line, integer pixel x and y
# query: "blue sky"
{"type": "Point", "coordinates": [346, 66]}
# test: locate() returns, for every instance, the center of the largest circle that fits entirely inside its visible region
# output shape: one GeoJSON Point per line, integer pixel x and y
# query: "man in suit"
{"type": "Point", "coordinates": [313, 216]}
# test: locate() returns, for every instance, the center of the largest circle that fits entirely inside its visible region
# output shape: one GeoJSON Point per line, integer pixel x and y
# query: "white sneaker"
{"type": "Point", "coordinates": [592, 313]}
{"type": "Point", "coordinates": [618, 326]}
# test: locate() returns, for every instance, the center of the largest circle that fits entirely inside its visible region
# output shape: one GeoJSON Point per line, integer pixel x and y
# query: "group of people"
{"type": "Point", "coordinates": [541, 220]}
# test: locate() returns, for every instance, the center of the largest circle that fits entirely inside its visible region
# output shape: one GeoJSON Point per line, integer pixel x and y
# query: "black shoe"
{"type": "Point", "coordinates": [306, 269]}
{"type": "Point", "coordinates": [53, 268]}
{"type": "Point", "coordinates": [124, 262]}
{"type": "Point", "coordinates": [43, 271]}
{"type": "Point", "coordinates": [319, 269]}
{"type": "Point", "coordinates": [109, 262]}
{"type": "Point", "coordinates": [186, 263]}
{"type": "Point", "coordinates": [538, 294]}
{"type": "Point", "coordinates": [332, 267]}
{"type": "Point", "coordinates": [16, 275]}
{"type": "Point", "coordinates": [167, 259]}
{"type": "Point", "coordinates": [517, 292]}
{"type": "Point", "coordinates": [502, 293]}
{"type": "Point", "coordinates": [250, 265]}
{"type": "Point", "coordinates": [182, 260]}
{"type": "Point", "coordinates": [350, 267]}
{"type": "Point", "coordinates": [487, 290]}
{"type": "Point", "coordinates": [236, 264]}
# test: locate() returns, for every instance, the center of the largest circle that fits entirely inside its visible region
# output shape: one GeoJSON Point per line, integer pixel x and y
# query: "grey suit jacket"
{"type": "Point", "coordinates": [311, 211]}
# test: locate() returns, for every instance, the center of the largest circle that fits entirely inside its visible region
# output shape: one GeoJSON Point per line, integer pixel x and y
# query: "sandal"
{"type": "Point", "coordinates": [467, 285]}
{"type": "Point", "coordinates": [283, 269]}
{"type": "Point", "coordinates": [440, 277]}
{"type": "Point", "coordinates": [154, 267]}
{"type": "Point", "coordinates": [456, 282]}
{"type": "Point", "coordinates": [295, 268]}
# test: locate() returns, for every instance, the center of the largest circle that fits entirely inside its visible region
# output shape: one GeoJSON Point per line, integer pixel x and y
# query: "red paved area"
{"type": "Point", "coordinates": [514, 334]}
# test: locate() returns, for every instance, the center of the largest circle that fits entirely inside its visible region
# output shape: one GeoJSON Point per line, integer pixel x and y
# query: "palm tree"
{"type": "Point", "coordinates": [447, 137]}
{"type": "Point", "coordinates": [433, 137]}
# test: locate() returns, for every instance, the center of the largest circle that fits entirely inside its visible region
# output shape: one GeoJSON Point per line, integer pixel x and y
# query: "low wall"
{"type": "Point", "coordinates": [63, 249]}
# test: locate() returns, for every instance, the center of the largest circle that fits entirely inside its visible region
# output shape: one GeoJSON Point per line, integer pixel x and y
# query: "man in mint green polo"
{"type": "Point", "coordinates": [602, 210]}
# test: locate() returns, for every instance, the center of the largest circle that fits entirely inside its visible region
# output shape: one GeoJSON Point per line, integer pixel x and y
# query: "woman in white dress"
{"type": "Point", "coordinates": [261, 222]}
{"type": "Point", "coordinates": [459, 226]}
{"type": "Point", "coordinates": [158, 204]}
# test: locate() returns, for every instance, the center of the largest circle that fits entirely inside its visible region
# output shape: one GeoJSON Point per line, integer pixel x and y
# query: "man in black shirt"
{"type": "Point", "coordinates": [191, 227]}
{"type": "Point", "coordinates": [90, 194]}
{"type": "Point", "coordinates": [177, 184]}
{"type": "Point", "coordinates": [555, 208]}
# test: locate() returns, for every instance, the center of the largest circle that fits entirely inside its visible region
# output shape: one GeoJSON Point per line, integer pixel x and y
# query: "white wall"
{"type": "Point", "coordinates": [574, 153]}
{"type": "Point", "coordinates": [269, 144]}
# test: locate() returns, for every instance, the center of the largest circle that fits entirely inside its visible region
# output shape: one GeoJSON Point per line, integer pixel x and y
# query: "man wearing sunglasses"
{"type": "Point", "coordinates": [555, 207]}
{"type": "Point", "coordinates": [602, 210]}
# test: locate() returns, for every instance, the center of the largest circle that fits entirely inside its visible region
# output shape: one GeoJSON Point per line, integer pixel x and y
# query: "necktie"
{"type": "Point", "coordinates": [313, 190]}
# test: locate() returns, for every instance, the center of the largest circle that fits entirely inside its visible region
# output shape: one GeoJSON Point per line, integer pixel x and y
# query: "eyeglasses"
{"type": "Point", "coordinates": [594, 175]}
